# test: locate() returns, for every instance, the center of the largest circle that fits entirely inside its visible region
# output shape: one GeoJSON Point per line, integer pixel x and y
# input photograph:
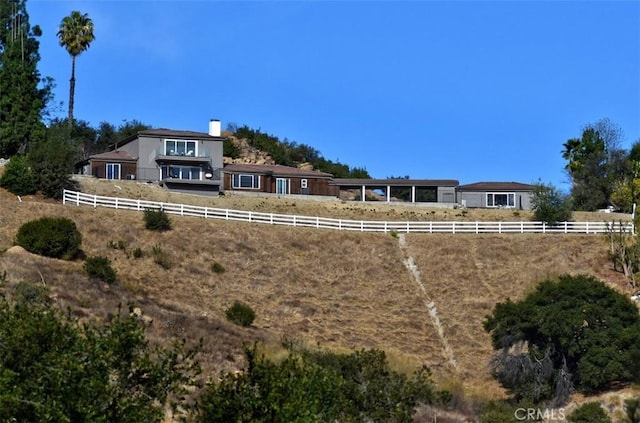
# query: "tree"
{"type": "Point", "coordinates": [18, 177]}
{"type": "Point", "coordinates": [549, 205]}
{"type": "Point", "coordinates": [53, 369]}
{"type": "Point", "coordinates": [590, 412]}
{"type": "Point", "coordinates": [107, 136]}
{"type": "Point", "coordinates": [632, 410]}
{"type": "Point", "coordinates": [317, 387]}
{"type": "Point", "coordinates": [52, 162]}
{"type": "Point", "coordinates": [571, 332]}
{"type": "Point", "coordinates": [130, 128]}
{"type": "Point", "coordinates": [594, 163]}
{"type": "Point", "coordinates": [75, 34]}
{"type": "Point", "coordinates": [24, 94]}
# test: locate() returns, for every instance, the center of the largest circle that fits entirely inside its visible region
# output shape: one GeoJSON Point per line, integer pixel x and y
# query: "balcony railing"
{"type": "Point", "coordinates": [202, 153]}
{"type": "Point", "coordinates": [154, 174]}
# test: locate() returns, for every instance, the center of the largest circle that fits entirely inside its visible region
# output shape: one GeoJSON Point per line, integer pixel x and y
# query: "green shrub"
{"type": "Point", "coordinates": [100, 267]}
{"type": "Point", "coordinates": [137, 253]}
{"type": "Point", "coordinates": [549, 205]}
{"type": "Point", "coordinates": [309, 386]}
{"type": "Point", "coordinates": [56, 237]}
{"type": "Point", "coordinates": [161, 257]}
{"type": "Point", "coordinates": [29, 293]}
{"type": "Point", "coordinates": [632, 410]}
{"type": "Point", "coordinates": [18, 177]}
{"type": "Point", "coordinates": [156, 220]}
{"type": "Point", "coordinates": [217, 268]}
{"type": "Point", "coordinates": [590, 412]}
{"type": "Point", "coordinates": [241, 314]}
{"type": "Point", "coordinates": [229, 149]}
{"type": "Point", "coordinates": [120, 245]}
{"type": "Point", "coordinates": [579, 334]}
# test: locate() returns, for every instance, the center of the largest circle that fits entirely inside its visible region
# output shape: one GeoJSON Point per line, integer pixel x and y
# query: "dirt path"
{"type": "Point", "coordinates": [429, 303]}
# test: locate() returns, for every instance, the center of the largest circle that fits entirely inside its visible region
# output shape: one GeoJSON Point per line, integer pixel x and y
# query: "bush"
{"type": "Point", "coordinates": [571, 332]}
{"type": "Point", "coordinates": [217, 268]}
{"type": "Point", "coordinates": [590, 412]}
{"type": "Point", "coordinates": [18, 177]}
{"type": "Point", "coordinates": [241, 314]}
{"type": "Point", "coordinates": [56, 237]}
{"type": "Point", "coordinates": [100, 267]}
{"type": "Point", "coordinates": [317, 387]}
{"type": "Point", "coordinates": [52, 162]}
{"type": "Point", "coordinates": [157, 220]}
{"type": "Point", "coordinates": [138, 253]}
{"type": "Point", "coordinates": [549, 205]}
{"type": "Point", "coordinates": [56, 369]}
{"type": "Point", "coordinates": [230, 149]}
{"type": "Point", "coordinates": [161, 257]}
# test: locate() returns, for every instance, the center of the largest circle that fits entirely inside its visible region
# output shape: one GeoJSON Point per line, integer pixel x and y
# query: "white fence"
{"type": "Point", "coordinates": [452, 227]}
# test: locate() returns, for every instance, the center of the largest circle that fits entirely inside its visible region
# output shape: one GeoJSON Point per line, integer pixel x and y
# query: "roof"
{"type": "Point", "coordinates": [496, 186]}
{"type": "Point", "coordinates": [163, 132]}
{"type": "Point", "coordinates": [397, 182]}
{"type": "Point", "coordinates": [169, 133]}
{"type": "Point", "coordinates": [277, 170]}
{"type": "Point", "coordinates": [116, 155]}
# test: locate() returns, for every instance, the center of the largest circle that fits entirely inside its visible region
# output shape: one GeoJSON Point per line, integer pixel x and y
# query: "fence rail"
{"type": "Point", "coordinates": [451, 227]}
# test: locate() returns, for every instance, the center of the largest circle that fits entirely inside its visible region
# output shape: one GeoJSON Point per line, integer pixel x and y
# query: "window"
{"type": "Point", "coordinates": [303, 183]}
{"type": "Point", "coordinates": [245, 181]}
{"type": "Point", "coordinates": [113, 170]}
{"type": "Point", "coordinates": [180, 172]}
{"type": "Point", "coordinates": [180, 148]}
{"type": "Point", "coordinates": [501, 199]}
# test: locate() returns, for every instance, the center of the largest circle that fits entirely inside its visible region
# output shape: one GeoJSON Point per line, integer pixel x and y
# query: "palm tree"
{"type": "Point", "coordinates": [75, 35]}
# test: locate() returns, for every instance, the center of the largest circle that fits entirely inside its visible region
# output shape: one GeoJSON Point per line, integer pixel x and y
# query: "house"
{"type": "Point", "coordinates": [183, 161]}
{"type": "Point", "coordinates": [276, 179]}
{"type": "Point", "coordinates": [514, 195]}
{"type": "Point", "coordinates": [435, 191]}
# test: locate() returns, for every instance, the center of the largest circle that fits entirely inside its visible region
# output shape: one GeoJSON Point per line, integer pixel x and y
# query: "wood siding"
{"type": "Point", "coordinates": [99, 168]}
{"type": "Point", "coordinates": [315, 186]}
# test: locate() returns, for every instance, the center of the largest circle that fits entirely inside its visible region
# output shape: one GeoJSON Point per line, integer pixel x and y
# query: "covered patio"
{"type": "Point", "coordinates": [401, 190]}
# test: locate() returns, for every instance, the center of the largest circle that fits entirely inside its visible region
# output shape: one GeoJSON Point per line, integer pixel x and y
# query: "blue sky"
{"type": "Point", "coordinates": [467, 90]}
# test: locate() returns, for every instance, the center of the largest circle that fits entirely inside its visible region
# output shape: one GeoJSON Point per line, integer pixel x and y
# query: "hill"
{"type": "Point", "coordinates": [337, 290]}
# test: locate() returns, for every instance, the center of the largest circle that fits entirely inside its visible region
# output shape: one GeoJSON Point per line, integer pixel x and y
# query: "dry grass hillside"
{"type": "Point", "coordinates": [330, 289]}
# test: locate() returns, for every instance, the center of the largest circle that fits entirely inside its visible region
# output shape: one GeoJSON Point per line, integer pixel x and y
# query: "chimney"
{"type": "Point", "coordinates": [214, 127]}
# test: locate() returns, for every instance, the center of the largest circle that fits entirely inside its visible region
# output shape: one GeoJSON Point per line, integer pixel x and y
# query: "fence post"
{"type": "Point", "coordinates": [566, 227]}
{"type": "Point", "coordinates": [181, 209]}
{"type": "Point", "coordinates": [499, 227]}
{"type": "Point", "coordinates": [339, 224]}
{"type": "Point", "coordinates": [64, 196]}
{"type": "Point", "coordinates": [430, 227]}
{"type": "Point", "coordinates": [138, 204]}
{"type": "Point", "coordinates": [317, 222]}
{"type": "Point", "coordinates": [226, 214]}
{"type": "Point", "coordinates": [408, 229]}
{"type": "Point", "coordinates": [116, 203]}
{"type": "Point", "coordinates": [271, 218]}
{"type": "Point", "coordinates": [77, 198]}
{"type": "Point", "coordinates": [521, 227]}
{"type": "Point", "coordinates": [453, 227]}
{"type": "Point", "coordinates": [95, 201]}
{"type": "Point", "coordinates": [544, 229]}
{"type": "Point", "coordinates": [249, 216]}
{"type": "Point", "coordinates": [294, 220]}
{"type": "Point", "coordinates": [476, 227]}
{"type": "Point", "coordinates": [362, 226]}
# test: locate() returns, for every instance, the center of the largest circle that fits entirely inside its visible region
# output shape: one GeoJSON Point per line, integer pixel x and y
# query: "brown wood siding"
{"type": "Point", "coordinates": [99, 168]}
{"type": "Point", "coordinates": [315, 186]}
